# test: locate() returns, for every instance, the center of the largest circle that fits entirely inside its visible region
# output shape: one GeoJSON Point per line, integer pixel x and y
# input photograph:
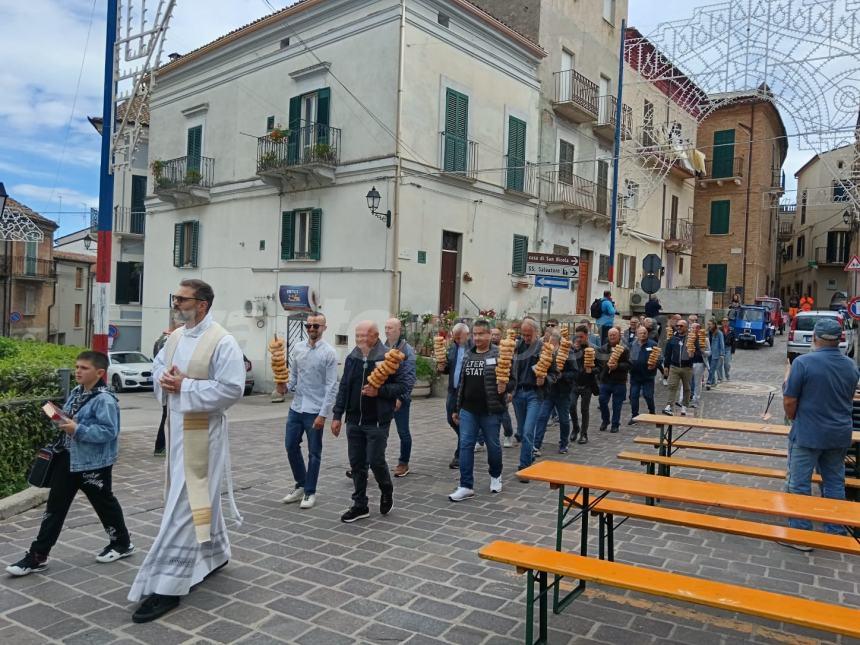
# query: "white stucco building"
{"type": "Point", "coordinates": [264, 144]}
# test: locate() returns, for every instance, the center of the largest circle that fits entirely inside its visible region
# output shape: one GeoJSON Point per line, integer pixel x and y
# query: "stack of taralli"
{"type": "Point", "coordinates": [544, 361]}
{"type": "Point", "coordinates": [615, 356]}
{"type": "Point", "coordinates": [439, 350]}
{"type": "Point", "coordinates": [588, 359]}
{"type": "Point", "coordinates": [654, 357]}
{"type": "Point", "coordinates": [511, 333]}
{"type": "Point", "coordinates": [669, 332]}
{"type": "Point", "coordinates": [393, 358]}
{"type": "Point", "coordinates": [563, 353]}
{"type": "Point", "coordinates": [703, 337]}
{"type": "Point", "coordinates": [506, 357]}
{"type": "Point", "coordinates": [278, 349]}
{"type": "Point", "coordinates": [565, 332]}
{"type": "Point", "coordinates": [691, 343]}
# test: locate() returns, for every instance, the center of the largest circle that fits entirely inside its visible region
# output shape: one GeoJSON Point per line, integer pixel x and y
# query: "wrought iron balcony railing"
{"type": "Point", "coordinates": [33, 268]}
{"type": "Point", "coordinates": [314, 144]}
{"type": "Point", "coordinates": [459, 156]}
{"type": "Point", "coordinates": [832, 255]}
{"type": "Point", "coordinates": [785, 228]}
{"type": "Point", "coordinates": [677, 233]}
{"type": "Point", "coordinates": [575, 96]}
{"type": "Point", "coordinates": [572, 191]}
{"type": "Point", "coordinates": [129, 222]}
{"type": "Point", "coordinates": [606, 117]}
{"type": "Point", "coordinates": [520, 176]}
{"type": "Point", "coordinates": [716, 169]}
{"type": "Point", "coordinates": [183, 172]}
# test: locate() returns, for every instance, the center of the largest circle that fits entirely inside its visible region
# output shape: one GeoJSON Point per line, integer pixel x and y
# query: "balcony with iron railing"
{"type": "Point", "coordinates": [294, 159]}
{"type": "Point", "coordinates": [677, 234]}
{"type": "Point", "coordinates": [777, 180]}
{"type": "Point", "coordinates": [127, 221]}
{"type": "Point", "coordinates": [720, 171]}
{"type": "Point", "coordinates": [832, 256]}
{"type": "Point", "coordinates": [184, 181]}
{"type": "Point", "coordinates": [458, 156]}
{"type": "Point", "coordinates": [607, 118]}
{"type": "Point", "coordinates": [575, 97]}
{"type": "Point", "coordinates": [656, 150]}
{"type": "Point", "coordinates": [569, 194]}
{"type": "Point", "coordinates": [520, 176]}
{"type": "Point", "coordinates": [29, 268]}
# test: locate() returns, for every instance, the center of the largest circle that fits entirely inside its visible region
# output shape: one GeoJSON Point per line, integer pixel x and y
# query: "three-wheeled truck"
{"type": "Point", "coordinates": [752, 325]}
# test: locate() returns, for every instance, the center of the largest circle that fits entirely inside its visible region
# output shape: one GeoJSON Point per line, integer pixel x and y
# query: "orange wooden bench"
{"type": "Point", "coordinates": [716, 447]}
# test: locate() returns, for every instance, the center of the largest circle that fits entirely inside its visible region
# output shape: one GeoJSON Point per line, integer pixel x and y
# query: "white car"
{"type": "Point", "coordinates": [800, 332]}
{"type": "Point", "coordinates": [129, 370]}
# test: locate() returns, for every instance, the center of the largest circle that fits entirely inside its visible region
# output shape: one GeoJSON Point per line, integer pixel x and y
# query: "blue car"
{"type": "Point", "coordinates": [752, 325]}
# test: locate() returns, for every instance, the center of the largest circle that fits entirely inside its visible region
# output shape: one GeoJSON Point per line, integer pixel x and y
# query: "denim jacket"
{"type": "Point", "coordinates": [95, 442]}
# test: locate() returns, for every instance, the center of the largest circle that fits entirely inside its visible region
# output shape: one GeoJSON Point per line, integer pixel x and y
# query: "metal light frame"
{"type": "Point", "coordinates": [373, 198]}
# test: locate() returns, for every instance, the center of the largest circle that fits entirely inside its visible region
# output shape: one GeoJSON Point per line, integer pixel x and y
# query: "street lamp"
{"type": "Point", "coordinates": [88, 241]}
{"type": "Point", "coordinates": [3, 197]}
{"type": "Point", "coordinates": [373, 198]}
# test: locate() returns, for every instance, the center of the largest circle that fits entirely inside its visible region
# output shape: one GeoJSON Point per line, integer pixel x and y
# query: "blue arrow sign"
{"type": "Point", "coordinates": [551, 281]}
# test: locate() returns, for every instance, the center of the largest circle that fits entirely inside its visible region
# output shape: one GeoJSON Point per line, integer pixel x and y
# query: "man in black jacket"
{"type": "Point", "coordinates": [480, 403]}
{"type": "Point", "coordinates": [641, 374]}
{"type": "Point", "coordinates": [584, 386]}
{"type": "Point", "coordinates": [453, 367]}
{"type": "Point", "coordinates": [529, 391]}
{"type": "Point", "coordinates": [557, 398]}
{"type": "Point", "coordinates": [369, 411]}
{"type": "Point", "coordinates": [613, 380]}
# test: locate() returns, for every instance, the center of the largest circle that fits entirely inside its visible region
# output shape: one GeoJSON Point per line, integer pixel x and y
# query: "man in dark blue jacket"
{"type": "Point", "coordinates": [453, 368]}
{"type": "Point", "coordinates": [641, 375]}
{"type": "Point", "coordinates": [529, 392]}
{"type": "Point", "coordinates": [369, 411]}
{"type": "Point", "coordinates": [559, 385]}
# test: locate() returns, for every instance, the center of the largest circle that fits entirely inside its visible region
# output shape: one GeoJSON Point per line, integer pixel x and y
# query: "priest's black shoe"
{"type": "Point", "coordinates": [154, 606]}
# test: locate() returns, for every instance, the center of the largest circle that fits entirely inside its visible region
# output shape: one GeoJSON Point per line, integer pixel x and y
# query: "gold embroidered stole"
{"type": "Point", "coordinates": [195, 430]}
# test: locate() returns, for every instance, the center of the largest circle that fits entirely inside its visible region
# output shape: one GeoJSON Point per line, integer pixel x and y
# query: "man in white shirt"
{"type": "Point", "coordinates": [313, 382]}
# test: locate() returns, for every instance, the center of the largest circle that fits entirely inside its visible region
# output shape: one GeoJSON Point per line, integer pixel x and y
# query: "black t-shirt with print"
{"type": "Point", "coordinates": [474, 390]}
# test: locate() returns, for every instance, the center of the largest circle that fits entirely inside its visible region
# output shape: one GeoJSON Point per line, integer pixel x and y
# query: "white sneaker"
{"type": "Point", "coordinates": [683, 411]}
{"type": "Point", "coordinates": [308, 501]}
{"type": "Point", "coordinates": [667, 410]}
{"type": "Point", "coordinates": [508, 442]}
{"type": "Point", "coordinates": [296, 496]}
{"type": "Point", "coordinates": [495, 484]}
{"type": "Point", "coordinates": [479, 448]}
{"type": "Point", "coordinates": [665, 382]}
{"type": "Point", "coordinates": [460, 494]}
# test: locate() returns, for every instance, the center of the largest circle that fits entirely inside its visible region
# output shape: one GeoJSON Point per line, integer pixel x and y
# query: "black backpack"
{"type": "Point", "coordinates": [597, 308]}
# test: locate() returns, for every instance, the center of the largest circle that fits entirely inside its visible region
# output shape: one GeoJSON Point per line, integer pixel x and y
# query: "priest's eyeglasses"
{"type": "Point", "coordinates": [178, 300]}
{"type": "Point", "coordinates": [312, 325]}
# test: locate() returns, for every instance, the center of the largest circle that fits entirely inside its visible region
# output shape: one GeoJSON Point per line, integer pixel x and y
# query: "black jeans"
{"type": "Point", "coordinates": [366, 445]}
{"type": "Point", "coordinates": [583, 395]}
{"type": "Point", "coordinates": [96, 485]}
{"type": "Point", "coordinates": [159, 440]}
{"type": "Point", "coordinates": [451, 408]}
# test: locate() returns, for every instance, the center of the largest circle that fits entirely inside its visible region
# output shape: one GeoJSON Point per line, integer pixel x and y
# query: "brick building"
{"type": "Point", "coordinates": [735, 212]}
{"type": "Point", "coordinates": [72, 313]}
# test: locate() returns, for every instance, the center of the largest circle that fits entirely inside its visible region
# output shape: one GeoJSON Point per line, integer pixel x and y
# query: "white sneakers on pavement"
{"type": "Point", "coordinates": [308, 501]}
{"type": "Point", "coordinates": [683, 411]}
{"type": "Point", "coordinates": [461, 493]}
{"type": "Point", "coordinates": [495, 484]}
{"type": "Point", "coordinates": [508, 442]}
{"type": "Point", "coordinates": [297, 495]}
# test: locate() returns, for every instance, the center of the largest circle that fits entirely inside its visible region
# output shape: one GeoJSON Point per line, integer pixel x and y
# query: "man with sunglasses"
{"type": "Point", "coordinates": [313, 382]}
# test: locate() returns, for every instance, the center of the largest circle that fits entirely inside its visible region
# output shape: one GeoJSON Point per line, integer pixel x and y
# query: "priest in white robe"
{"type": "Point", "coordinates": [198, 374]}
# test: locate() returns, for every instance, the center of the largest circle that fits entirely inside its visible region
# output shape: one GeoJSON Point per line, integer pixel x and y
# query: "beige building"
{"type": "Point", "coordinates": [816, 242]}
{"type": "Point", "coordinates": [735, 215]}
{"type": "Point", "coordinates": [72, 312]}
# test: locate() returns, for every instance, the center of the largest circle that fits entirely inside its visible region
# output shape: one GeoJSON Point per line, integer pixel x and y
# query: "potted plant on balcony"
{"type": "Point", "coordinates": [268, 161]}
{"type": "Point", "coordinates": [157, 168]}
{"type": "Point", "coordinates": [193, 177]}
{"type": "Point", "coordinates": [324, 153]}
{"type": "Point", "coordinates": [277, 134]}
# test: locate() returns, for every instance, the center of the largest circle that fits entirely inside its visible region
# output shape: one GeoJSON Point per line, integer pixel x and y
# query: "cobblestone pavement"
{"type": "Point", "coordinates": [413, 576]}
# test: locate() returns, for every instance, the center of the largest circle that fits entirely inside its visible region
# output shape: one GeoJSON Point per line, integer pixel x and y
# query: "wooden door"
{"type": "Point", "coordinates": [448, 280]}
{"type": "Point", "coordinates": [582, 291]}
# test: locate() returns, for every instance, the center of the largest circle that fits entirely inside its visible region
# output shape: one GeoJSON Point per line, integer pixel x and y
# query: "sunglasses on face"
{"type": "Point", "coordinates": [178, 300]}
{"type": "Point", "coordinates": [312, 325]}
{"type": "Point", "coordinates": [551, 325]}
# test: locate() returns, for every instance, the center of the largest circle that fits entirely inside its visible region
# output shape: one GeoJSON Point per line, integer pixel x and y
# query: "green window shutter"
{"type": "Point", "coordinates": [316, 234]}
{"type": "Point", "coordinates": [294, 124]}
{"type": "Point", "coordinates": [720, 214]}
{"type": "Point", "coordinates": [516, 153]}
{"type": "Point", "coordinates": [178, 244]}
{"type": "Point", "coordinates": [138, 193]}
{"type": "Point", "coordinates": [717, 278]}
{"type": "Point", "coordinates": [195, 242]}
{"type": "Point", "coordinates": [520, 255]}
{"type": "Point", "coordinates": [724, 154]}
{"type": "Point", "coordinates": [288, 219]}
{"type": "Point", "coordinates": [456, 131]}
{"type": "Point", "coordinates": [123, 280]}
{"type": "Point", "coordinates": [194, 148]}
{"type": "Point", "coordinates": [323, 114]}
{"type": "Point", "coordinates": [565, 162]}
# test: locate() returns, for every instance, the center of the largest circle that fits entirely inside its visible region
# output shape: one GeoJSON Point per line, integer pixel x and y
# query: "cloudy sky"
{"type": "Point", "coordinates": [51, 78]}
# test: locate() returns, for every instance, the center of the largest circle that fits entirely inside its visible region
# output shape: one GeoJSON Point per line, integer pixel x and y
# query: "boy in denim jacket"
{"type": "Point", "coordinates": [90, 441]}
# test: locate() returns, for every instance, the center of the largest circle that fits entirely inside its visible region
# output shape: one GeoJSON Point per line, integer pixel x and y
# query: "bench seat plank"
{"type": "Point", "coordinates": [722, 424]}
{"type": "Point", "coordinates": [745, 528]}
{"type": "Point", "coordinates": [738, 469]}
{"type": "Point", "coordinates": [734, 598]}
{"type": "Point", "coordinates": [718, 447]}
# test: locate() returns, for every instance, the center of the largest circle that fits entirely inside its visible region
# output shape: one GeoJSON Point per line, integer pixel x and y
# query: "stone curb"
{"type": "Point", "coordinates": [23, 501]}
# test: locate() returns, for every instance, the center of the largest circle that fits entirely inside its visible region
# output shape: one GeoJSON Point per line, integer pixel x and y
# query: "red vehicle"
{"type": "Point", "coordinates": [774, 306]}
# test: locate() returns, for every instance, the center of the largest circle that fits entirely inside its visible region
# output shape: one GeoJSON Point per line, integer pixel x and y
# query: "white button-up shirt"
{"type": "Point", "coordinates": [313, 378]}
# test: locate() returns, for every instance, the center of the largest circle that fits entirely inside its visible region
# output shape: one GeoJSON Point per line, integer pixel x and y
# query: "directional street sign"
{"type": "Point", "coordinates": [551, 281]}
{"type": "Point", "coordinates": [854, 308]}
{"type": "Point", "coordinates": [548, 264]}
{"type": "Point", "coordinates": [853, 264]}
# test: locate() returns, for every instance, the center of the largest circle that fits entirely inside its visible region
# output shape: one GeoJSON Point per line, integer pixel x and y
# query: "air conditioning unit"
{"type": "Point", "coordinates": [255, 309]}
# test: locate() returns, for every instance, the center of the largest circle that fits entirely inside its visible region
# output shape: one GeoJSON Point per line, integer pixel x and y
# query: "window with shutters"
{"type": "Point", "coordinates": [647, 123]}
{"type": "Point", "coordinates": [516, 165]}
{"type": "Point", "coordinates": [801, 246]}
{"type": "Point", "coordinates": [838, 246]}
{"type": "Point", "coordinates": [194, 148]}
{"type": "Point", "coordinates": [308, 125]}
{"type": "Point", "coordinates": [565, 162]}
{"type": "Point", "coordinates": [680, 266]}
{"type": "Point", "coordinates": [840, 193]}
{"type": "Point", "coordinates": [129, 283]}
{"type": "Point", "coordinates": [620, 262]}
{"type": "Point", "coordinates": [186, 242]}
{"type": "Point", "coordinates": [79, 277]}
{"type": "Point", "coordinates": [803, 200]}
{"type": "Point", "coordinates": [724, 154]}
{"type": "Point", "coordinates": [520, 255]}
{"type": "Point", "coordinates": [603, 268]}
{"type": "Point", "coordinates": [456, 133]}
{"type": "Point", "coordinates": [720, 214]}
{"type": "Point", "coordinates": [717, 277]}
{"type": "Point", "coordinates": [78, 316]}
{"type": "Point", "coordinates": [270, 123]}
{"type": "Point", "coordinates": [29, 301]}
{"type": "Point", "coordinates": [301, 234]}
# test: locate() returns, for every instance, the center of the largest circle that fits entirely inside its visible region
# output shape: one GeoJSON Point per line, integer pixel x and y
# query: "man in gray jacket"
{"type": "Point", "coordinates": [394, 339]}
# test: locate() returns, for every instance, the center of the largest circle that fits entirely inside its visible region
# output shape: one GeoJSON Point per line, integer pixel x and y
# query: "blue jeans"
{"type": "Point", "coordinates": [526, 409]}
{"type": "Point", "coordinates": [506, 422]}
{"type": "Point", "coordinates": [560, 404]}
{"type": "Point", "coordinates": [401, 421]}
{"type": "Point", "coordinates": [451, 408]}
{"type": "Point", "coordinates": [471, 427]}
{"type": "Point", "coordinates": [715, 368]}
{"type": "Point", "coordinates": [617, 392]}
{"type": "Point", "coordinates": [299, 424]}
{"type": "Point", "coordinates": [646, 389]}
{"type": "Point", "coordinates": [830, 464]}
{"type": "Point", "coordinates": [727, 364]}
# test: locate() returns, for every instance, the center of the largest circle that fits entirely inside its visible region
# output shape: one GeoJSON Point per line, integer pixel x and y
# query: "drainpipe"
{"type": "Point", "coordinates": [750, 129]}
{"type": "Point", "coordinates": [394, 301]}
{"type": "Point", "coordinates": [51, 306]}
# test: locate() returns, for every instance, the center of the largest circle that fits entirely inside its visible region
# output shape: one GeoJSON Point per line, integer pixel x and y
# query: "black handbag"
{"type": "Point", "coordinates": [42, 468]}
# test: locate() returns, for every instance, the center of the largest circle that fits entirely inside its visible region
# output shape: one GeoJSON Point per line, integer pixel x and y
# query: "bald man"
{"type": "Point", "coordinates": [369, 411]}
{"type": "Point", "coordinates": [394, 338]}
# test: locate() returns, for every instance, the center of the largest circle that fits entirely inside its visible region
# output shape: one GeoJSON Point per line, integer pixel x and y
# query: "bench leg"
{"type": "Point", "coordinates": [543, 592]}
{"type": "Point", "coordinates": [601, 535]}
{"type": "Point", "coordinates": [610, 536]}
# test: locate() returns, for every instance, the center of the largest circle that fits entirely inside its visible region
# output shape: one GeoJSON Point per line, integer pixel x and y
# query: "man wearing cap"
{"type": "Point", "coordinates": [817, 398]}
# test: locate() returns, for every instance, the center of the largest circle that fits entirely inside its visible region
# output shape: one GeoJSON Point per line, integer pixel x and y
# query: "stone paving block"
{"type": "Point", "coordinates": [64, 628]}
{"type": "Point", "coordinates": [20, 636]}
{"type": "Point", "coordinates": [464, 635]}
{"type": "Point", "coordinates": [359, 587]}
{"type": "Point", "coordinates": [224, 631]}
{"type": "Point", "coordinates": [38, 615]}
{"type": "Point", "coordinates": [11, 599]}
{"type": "Point", "coordinates": [491, 622]}
{"type": "Point", "coordinates": [412, 621]}
{"type": "Point", "coordinates": [155, 633]}
{"type": "Point", "coordinates": [284, 627]}
{"type": "Point", "coordinates": [364, 607]}
{"type": "Point", "coordinates": [188, 618]}
{"type": "Point", "coordinates": [91, 636]}
{"type": "Point", "coordinates": [258, 638]}
{"type": "Point", "coordinates": [295, 607]}
{"type": "Point", "coordinates": [205, 600]}
{"type": "Point", "coordinates": [377, 632]}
